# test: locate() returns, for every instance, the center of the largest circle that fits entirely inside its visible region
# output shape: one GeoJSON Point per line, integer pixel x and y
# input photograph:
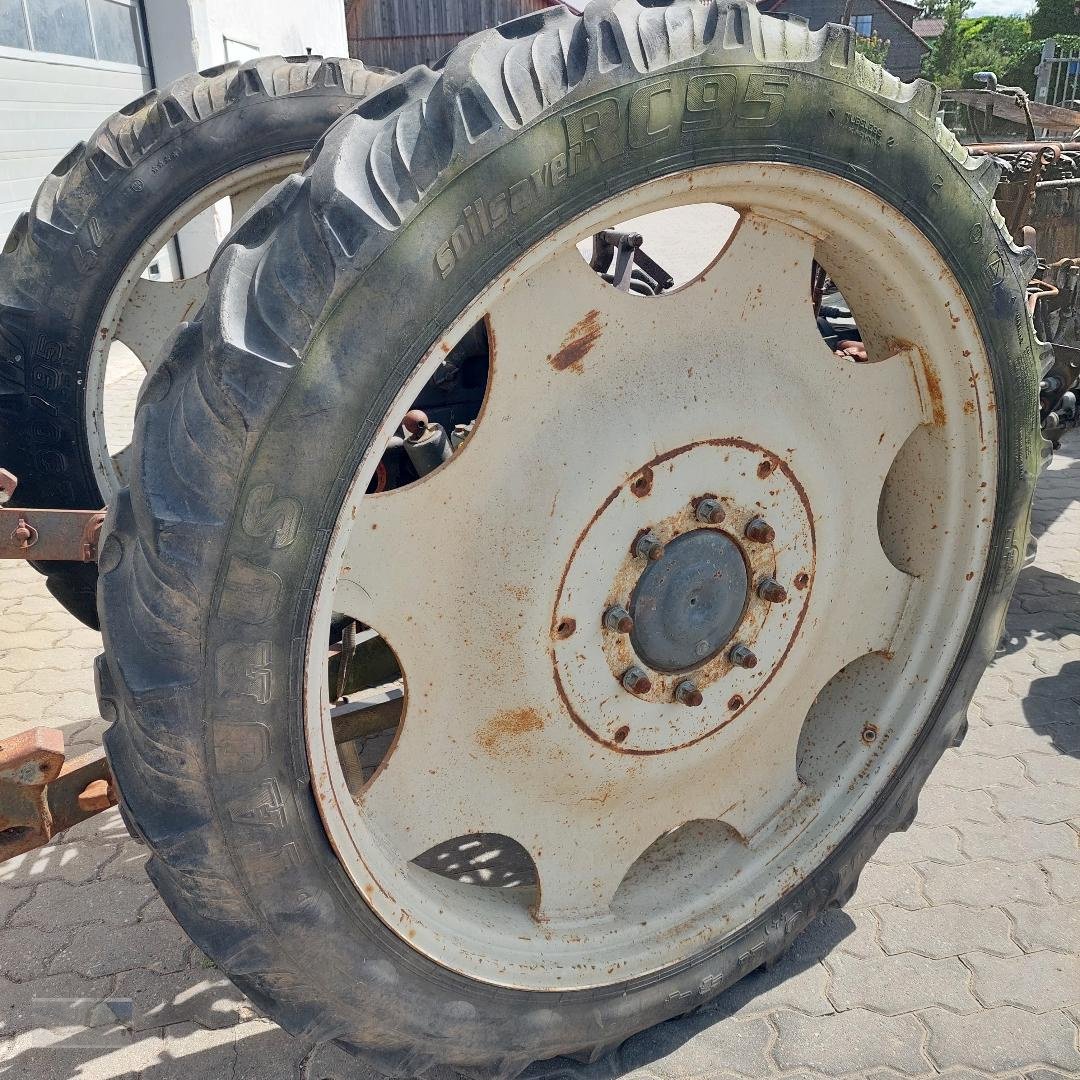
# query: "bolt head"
{"type": "Point", "coordinates": [772, 591]}
{"type": "Point", "coordinates": [618, 619]}
{"type": "Point", "coordinates": [686, 693]}
{"type": "Point", "coordinates": [743, 657]}
{"type": "Point", "coordinates": [760, 531]}
{"type": "Point", "coordinates": [649, 547]}
{"type": "Point", "coordinates": [710, 512]}
{"type": "Point", "coordinates": [635, 681]}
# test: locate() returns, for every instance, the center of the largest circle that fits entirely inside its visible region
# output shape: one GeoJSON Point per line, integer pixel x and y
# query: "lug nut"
{"type": "Point", "coordinates": [771, 590]}
{"type": "Point", "coordinates": [760, 531]}
{"type": "Point", "coordinates": [649, 547]}
{"type": "Point", "coordinates": [618, 619]}
{"type": "Point", "coordinates": [710, 512]}
{"type": "Point", "coordinates": [636, 681]}
{"type": "Point", "coordinates": [686, 693]}
{"type": "Point", "coordinates": [742, 656]}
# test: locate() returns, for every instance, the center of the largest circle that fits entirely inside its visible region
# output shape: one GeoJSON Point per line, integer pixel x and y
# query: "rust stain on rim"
{"type": "Point", "coordinates": [507, 725]}
{"type": "Point", "coordinates": [578, 344]}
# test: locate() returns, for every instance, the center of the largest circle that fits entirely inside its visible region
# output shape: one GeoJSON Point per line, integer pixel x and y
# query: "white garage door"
{"type": "Point", "coordinates": [65, 65]}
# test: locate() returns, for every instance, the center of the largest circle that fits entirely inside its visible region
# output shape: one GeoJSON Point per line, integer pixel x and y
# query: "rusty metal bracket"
{"type": "Point", "coordinates": [50, 535]}
{"type": "Point", "coordinates": [46, 535]}
{"type": "Point", "coordinates": [42, 795]}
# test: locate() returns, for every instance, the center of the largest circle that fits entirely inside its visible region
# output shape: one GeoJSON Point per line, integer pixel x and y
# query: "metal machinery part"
{"type": "Point", "coordinates": [1039, 197]}
{"type": "Point", "coordinates": [662, 602]}
{"type": "Point", "coordinates": [41, 794]}
{"type": "Point", "coordinates": [46, 535]}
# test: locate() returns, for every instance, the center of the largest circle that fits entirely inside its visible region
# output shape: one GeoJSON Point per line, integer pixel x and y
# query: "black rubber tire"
{"type": "Point", "coordinates": [215, 777]}
{"type": "Point", "coordinates": [64, 257]}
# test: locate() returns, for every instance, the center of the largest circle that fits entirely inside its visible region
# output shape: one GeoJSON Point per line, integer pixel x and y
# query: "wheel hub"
{"type": "Point", "coordinates": [686, 605]}
{"type": "Point", "coordinates": [711, 609]}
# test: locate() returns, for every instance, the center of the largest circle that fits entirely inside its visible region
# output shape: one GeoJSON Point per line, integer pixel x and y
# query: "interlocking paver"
{"type": "Point", "coordinates": [986, 884]}
{"type": "Point", "coordinates": [1063, 876]}
{"type": "Point", "coordinates": [1053, 768]}
{"type": "Point", "coordinates": [971, 772]}
{"type": "Point", "coordinates": [61, 903]}
{"type": "Point", "coordinates": [936, 843]}
{"type": "Point", "coordinates": [790, 983]}
{"type": "Point", "coordinates": [1021, 842]}
{"type": "Point", "coordinates": [940, 805]}
{"type": "Point", "coordinates": [1054, 927]}
{"type": "Point", "coordinates": [154, 946]}
{"type": "Point", "coordinates": [1011, 740]}
{"type": "Point", "coordinates": [192, 995]}
{"type": "Point", "coordinates": [1001, 1039]}
{"type": "Point", "coordinates": [899, 984]}
{"type": "Point", "coordinates": [38, 1001]}
{"type": "Point", "coordinates": [1047, 803]}
{"type": "Point", "coordinates": [901, 885]}
{"type": "Point", "coordinates": [77, 862]}
{"type": "Point", "coordinates": [1040, 981]}
{"type": "Point", "coordinates": [849, 1042]}
{"type": "Point", "coordinates": [693, 1047]}
{"type": "Point", "coordinates": [26, 953]}
{"type": "Point", "coordinates": [948, 930]}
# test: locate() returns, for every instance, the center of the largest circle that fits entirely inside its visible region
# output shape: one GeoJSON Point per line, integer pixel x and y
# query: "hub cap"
{"type": "Point", "coordinates": [686, 607]}
{"type": "Point", "coordinates": [863, 491]}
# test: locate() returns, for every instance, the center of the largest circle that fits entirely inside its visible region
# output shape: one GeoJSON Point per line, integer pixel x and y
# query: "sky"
{"type": "Point", "coordinates": [999, 7]}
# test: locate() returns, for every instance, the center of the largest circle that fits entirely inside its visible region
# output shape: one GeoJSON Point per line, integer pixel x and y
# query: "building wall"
{"type": "Point", "coordinates": [197, 34]}
{"type": "Point", "coordinates": [399, 34]}
{"type": "Point", "coordinates": [191, 35]}
{"type": "Point", "coordinates": [905, 52]}
{"type": "Point", "coordinates": [51, 100]}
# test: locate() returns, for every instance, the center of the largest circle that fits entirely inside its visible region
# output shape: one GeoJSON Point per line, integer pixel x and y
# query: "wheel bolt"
{"type": "Point", "coordinates": [686, 693]}
{"type": "Point", "coordinates": [742, 656]}
{"type": "Point", "coordinates": [636, 681]}
{"type": "Point", "coordinates": [771, 590]}
{"type": "Point", "coordinates": [710, 512]}
{"type": "Point", "coordinates": [760, 531]}
{"type": "Point", "coordinates": [618, 619]}
{"type": "Point", "coordinates": [649, 547]}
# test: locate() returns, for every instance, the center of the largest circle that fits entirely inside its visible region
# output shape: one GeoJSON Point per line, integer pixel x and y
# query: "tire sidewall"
{"type": "Point", "coordinates": [256, 633]}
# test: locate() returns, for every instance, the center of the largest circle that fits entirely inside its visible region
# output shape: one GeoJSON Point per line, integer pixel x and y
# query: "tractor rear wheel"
{"type": "Point", "coordinates": [683, 612]}
{"type": "Point", "coordinates": [82, 319]}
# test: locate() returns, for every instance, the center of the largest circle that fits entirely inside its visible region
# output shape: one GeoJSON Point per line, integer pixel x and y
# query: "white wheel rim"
{"type": "Point", "coordinates": [141, 315]}
{"type": "Point", "coordinates": [510, 728]}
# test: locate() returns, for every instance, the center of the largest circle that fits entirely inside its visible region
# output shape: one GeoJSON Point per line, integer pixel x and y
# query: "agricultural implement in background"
{"type": "Point", "coordinates": [1038, 195]}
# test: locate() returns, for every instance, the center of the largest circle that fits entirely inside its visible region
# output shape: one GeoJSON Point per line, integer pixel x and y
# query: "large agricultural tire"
{"type": "Point", "coordinates": [70, 270]}
{"type": "Point", "coordinates": [457, 194]}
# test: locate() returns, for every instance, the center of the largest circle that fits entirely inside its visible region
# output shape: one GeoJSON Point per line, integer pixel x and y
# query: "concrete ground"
{"type": "Point", "coordinates": [958, 956]}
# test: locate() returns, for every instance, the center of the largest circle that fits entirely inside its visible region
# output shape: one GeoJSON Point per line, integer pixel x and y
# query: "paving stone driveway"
{"type": "Point", "coordinates": [958, 956]}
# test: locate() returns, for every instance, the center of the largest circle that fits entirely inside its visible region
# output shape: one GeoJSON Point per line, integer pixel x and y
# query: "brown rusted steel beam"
{"type": "Point", "coordinates": [1020, 147]}
{"type": "Point", "coordinates": [50, 535]}
{"type": "Point", "coordinates": [41, 794]}
{"type": "Point", "coordinates": [1008, 107]}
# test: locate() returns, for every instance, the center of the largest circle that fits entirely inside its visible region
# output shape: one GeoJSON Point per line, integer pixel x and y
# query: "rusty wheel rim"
{"type": "Point", "coordinates": [657, 823]}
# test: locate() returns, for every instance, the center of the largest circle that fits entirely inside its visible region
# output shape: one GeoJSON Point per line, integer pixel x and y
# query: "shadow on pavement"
{"type": "Point", "coordinates": [824, 935]}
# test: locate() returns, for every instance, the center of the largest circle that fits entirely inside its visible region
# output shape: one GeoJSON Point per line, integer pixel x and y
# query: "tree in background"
{"type": "Point", "coordinates": [1009, 46]}
{"type": "Point", "coordinates": [1052, 18]}
{"type": "Point", "coordinates": [945, 55]}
